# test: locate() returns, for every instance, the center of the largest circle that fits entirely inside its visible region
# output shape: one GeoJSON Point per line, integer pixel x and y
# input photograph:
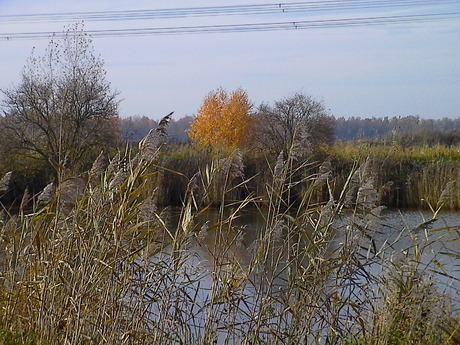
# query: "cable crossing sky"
{"type": "Point", "coordinates": [417, 7]}
{"type": "Point", "coordinates": [256, 9]}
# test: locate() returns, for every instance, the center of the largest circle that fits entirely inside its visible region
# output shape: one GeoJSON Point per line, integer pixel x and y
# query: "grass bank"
{"type": "Point", "coordinates": [424, 177]}
{"type": "Point", "coordinates": [419, 176]}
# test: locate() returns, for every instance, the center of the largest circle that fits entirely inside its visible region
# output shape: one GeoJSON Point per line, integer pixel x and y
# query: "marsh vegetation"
{"type": "Point", "coordinates": [91, 251]}
{"type": "Point", "coordinates": [98, 262]}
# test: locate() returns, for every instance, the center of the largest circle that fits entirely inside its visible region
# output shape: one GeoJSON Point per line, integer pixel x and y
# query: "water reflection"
{"type": "Point", "coordinates": [394, 230]}
{"type": "Point", "coordinates": [221, 254]}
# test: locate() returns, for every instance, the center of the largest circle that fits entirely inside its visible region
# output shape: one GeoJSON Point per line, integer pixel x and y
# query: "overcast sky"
{"type": "Point", "coordinates": [378, 70]}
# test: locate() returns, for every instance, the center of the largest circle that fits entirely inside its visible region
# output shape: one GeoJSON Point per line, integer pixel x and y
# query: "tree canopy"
{"type": "Point", "coordinates": [223, 119]}
{"type": "Point", "coordinates": [64, 106]}
{"type": "Point", "coordinates": [297, 121]}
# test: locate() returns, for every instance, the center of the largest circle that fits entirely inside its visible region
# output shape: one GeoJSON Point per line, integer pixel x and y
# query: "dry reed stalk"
{"type": "Point", "coordinates": [100, 274]}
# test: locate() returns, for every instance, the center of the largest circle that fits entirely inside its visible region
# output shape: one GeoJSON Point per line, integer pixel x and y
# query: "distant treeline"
{"type": "Point", "coordinates": [134, 128]}
{"type": "Point", "coordinates": [369, 128]}
{"type": "Point", "coordinates": [445, 130]}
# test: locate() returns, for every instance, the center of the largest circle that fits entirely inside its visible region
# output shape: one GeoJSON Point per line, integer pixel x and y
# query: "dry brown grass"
{"type": "Point", "coordinates": [105, 266]}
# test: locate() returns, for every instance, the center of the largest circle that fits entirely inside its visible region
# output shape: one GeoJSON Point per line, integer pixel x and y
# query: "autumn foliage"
{"type": "Point", "coordinates": [223, 119]}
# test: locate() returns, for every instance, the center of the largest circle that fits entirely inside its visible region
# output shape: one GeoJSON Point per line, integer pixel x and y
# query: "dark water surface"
{"type": "Point", "coordinates": [395, 234]}
{"type": "Point", "coordinates": [402, 228]}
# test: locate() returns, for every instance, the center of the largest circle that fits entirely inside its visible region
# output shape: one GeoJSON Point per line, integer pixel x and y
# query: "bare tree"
{"type": "Point", "coordinates": [64, 106]}
{"type": "Point", "coordinates": [297, 121]}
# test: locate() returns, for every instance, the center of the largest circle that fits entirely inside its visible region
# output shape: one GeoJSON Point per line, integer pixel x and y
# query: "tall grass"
{"type": "Point", "coordinates": [419, 174]}
{"type": "Point", "coordinates": [406, 177]}
{"type": "Point", "coordinates": [98, 262]}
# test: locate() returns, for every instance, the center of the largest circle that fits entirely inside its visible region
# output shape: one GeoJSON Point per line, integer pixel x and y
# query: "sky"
{"type": "Point", "coordinates": [366, 71]}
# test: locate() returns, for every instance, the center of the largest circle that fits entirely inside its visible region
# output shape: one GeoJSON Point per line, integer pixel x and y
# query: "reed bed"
{"type": "Point", "coordinates": [98, 262]}
{"type": "Point", "coordinates": [418, 174]}
{"type": "Point", "coordinates": [384, 148]}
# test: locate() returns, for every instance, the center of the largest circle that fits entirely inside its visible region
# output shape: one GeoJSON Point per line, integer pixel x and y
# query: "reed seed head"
{"type": "Point", "coordinates": [325, 171]}
{"type": "Point", "coordinates": [5, 182]}
{"type": "Point", "coordinates": [447, 193]}
{"type": "Point", "coordinates": [367, 196]}
{"type": "Point", "coordinates": [147, 209]}
{"type": "Point", "coordinates": [98, 168]}
{"type": "Point", "coordinates": [114, 165]}
{"type": "Point", "coordinates": [279, 166]}
{"type": "Point", "coordinates": [45, 197]}
{"type": "Point", "coordinates": [233, 166]}
{"type": "Point", "coordinates": [149, 145]}
{"type": "Point", "coordinates": [194, 183]}
{"type": "Point", "coordinates": [118, 179]}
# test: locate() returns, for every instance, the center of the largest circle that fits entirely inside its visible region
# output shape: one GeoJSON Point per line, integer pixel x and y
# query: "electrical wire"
{"type": "Point", "coordinates": [254, 9]}
{"type": "Point", "coordinates": [250, 27]}
{"type": "Point", "coordinates": [249, 9]}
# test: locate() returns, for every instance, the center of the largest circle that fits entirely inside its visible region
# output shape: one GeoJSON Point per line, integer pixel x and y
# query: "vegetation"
{"type": "Point", "coordinates": [103, 265]}
{"type": "Point", "coordinates": [407, 131]}
{"type": "Point", "coordinates": [223, 119]}
{"type": "Point", "coordinates": [410, 129]}
{"type": "Point", "coordinates": [413, 176]}
{"type": "Point", "coordinates": [63, 109]}
{"type": "Point", "coordinates": [95, 258]}
{"type": "Point", "coordinates": [297, 119]}
{"type": "Point", "coordinates": [412, 167]}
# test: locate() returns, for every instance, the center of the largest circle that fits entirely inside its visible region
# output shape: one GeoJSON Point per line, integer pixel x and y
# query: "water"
{"type": "Point", "coordinates": [395, 229]}
{"type": "Point", "coordinates": [220, 250]}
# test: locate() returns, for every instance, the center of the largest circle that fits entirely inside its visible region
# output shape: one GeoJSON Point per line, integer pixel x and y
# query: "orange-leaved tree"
{"type": "Point", "coordinates": [223, 119]}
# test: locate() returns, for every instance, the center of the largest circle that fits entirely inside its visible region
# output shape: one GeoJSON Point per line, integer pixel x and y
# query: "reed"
{"type": "Point", "coordinates": [104, 264]}
{"type": "Point", "coordinates": [418, 174]}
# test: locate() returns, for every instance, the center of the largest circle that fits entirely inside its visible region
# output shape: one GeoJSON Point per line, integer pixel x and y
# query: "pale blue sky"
{"type": "Point", "coordinates": [394, 70]}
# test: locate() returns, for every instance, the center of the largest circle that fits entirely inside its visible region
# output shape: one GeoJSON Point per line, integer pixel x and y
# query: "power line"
{"type": "Point", "coordinates": [250, 27]}
{"type": "Point", "coordinates": [254, 9]}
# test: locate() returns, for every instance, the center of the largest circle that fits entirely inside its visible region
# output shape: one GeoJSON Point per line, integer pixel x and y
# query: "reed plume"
{"type": "Point", "coordinates": [98, 168]}
{"type": "Point", "coordinates": [45, 197]}
{"type": "Point", "coordinates": [5, 182]}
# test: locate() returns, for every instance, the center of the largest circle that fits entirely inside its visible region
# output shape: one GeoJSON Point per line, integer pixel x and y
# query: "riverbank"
{"type": "Point", "coordinates": [104, 265]}
{"type": "Point", "coordinates": [424, 177]}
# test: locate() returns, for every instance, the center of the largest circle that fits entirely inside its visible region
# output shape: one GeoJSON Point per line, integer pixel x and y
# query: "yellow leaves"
{"type": "Point", "coordinates": [223, 119]}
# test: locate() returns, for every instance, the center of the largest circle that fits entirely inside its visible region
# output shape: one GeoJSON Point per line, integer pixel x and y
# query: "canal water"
{"type": "Point", "coordinates": [218, 249]}
{"type": "Point", "coordinates": [395, 230]}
